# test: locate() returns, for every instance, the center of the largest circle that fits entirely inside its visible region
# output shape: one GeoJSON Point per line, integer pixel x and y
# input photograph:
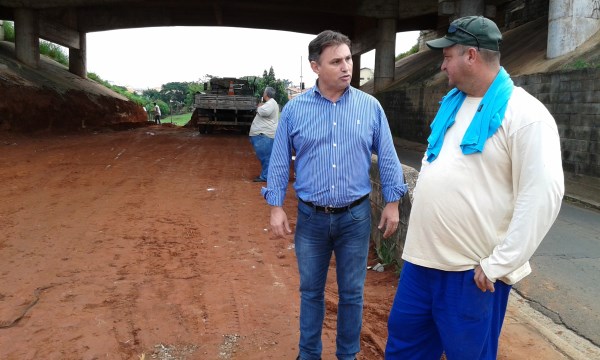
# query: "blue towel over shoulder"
{"type": "Point", "coordinates": [485, 123]}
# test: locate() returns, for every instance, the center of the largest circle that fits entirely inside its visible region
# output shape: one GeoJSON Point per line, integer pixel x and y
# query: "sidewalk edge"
{"type": "Point", "coordinates": [573, 346]}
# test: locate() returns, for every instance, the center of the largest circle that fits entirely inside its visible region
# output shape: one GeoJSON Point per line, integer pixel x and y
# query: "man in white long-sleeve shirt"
{"type": "Point", "coordinates": [262, 131]}
{"type": "Point", "coordinates": [490, 187]}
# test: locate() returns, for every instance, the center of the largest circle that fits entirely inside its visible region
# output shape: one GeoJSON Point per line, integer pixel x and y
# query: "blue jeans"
{"type": "Point", "coordinates": [263, 145]}
{"type": "Point", "coordinates": [318, 235]}
{"type": "Point", "coordinates": [437, 311]}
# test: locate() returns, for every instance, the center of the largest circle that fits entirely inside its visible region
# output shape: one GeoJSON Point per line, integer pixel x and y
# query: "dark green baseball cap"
{"type": "Point", "coordinates": [476, 31]}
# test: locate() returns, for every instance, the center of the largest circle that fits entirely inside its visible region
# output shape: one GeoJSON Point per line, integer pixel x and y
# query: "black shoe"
{"type": "Point", "coordinates": [258, 179]}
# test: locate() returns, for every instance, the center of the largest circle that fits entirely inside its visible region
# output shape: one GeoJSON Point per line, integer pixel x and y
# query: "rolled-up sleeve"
{"type": "Point", "coordinates": [391, 175]}
{"type": "Point", "coordinates": [279, 165]}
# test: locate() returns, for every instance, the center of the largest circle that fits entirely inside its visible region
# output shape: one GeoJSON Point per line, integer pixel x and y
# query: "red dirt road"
{"type": "Point", "coordinates": [153, 243]}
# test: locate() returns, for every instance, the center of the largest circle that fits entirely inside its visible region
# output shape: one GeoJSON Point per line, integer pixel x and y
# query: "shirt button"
{"type": "Point", "coordinates": [334, 165]}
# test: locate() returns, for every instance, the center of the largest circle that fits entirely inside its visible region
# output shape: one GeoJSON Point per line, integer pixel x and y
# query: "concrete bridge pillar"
{"type": "Point", "coordinates": [385, 63]}
{"type": "Point", "coordinates": [27, 41]}
{"type": "Point", "coordinates": [78, 57]}
{"type": "Point", "coordinates": [355, 71]}
{"type": "Point", "coordinates": [570, 24]}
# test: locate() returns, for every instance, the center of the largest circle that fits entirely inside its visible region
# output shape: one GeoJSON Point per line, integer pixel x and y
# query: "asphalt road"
{"type": "Point", "coordinates": [564, 283]}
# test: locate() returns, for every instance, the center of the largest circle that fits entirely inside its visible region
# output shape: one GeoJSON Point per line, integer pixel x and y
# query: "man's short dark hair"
{"type": "Point", "coordinates": [323, 40]}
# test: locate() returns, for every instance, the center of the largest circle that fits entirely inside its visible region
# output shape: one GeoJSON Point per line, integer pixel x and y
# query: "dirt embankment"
{"type": "Point", "coordinates": [50, 98]}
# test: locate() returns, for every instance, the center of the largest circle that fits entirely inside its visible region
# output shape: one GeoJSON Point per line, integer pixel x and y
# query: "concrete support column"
{"type": "Point", "coordinates": [570, 24]}
{"type": "Point", "coordinates": [78, 57]}
{"type": "Point", "coordinates": [27, 40]}
{"type": "Point", "coordinates": [355, 71]}
{"type": "Point", "coordinates": [385, 63]}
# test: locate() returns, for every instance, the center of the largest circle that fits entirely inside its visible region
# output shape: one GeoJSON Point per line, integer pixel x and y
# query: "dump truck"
{"type": "Point", "coordinates": [225, 103]}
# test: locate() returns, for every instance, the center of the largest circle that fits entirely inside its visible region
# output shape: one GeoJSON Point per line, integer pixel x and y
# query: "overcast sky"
{"type": "Point", "coordinates": [149, 57]}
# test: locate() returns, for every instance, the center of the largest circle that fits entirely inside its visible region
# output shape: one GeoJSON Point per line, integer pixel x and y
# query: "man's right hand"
{"type": "Point", "coordinates": [279, 222]}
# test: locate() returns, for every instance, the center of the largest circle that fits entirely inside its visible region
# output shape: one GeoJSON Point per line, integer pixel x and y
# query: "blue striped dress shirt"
{"type": "Point", "coordinates": [333, 143]}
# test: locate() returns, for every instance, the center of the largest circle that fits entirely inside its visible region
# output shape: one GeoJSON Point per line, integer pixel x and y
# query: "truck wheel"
{"type": "Point", "coordinates": [205, 129]}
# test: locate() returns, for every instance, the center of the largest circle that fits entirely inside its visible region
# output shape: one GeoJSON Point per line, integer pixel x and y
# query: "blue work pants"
{"type": "Point", "coordinates": [263, 145]}
{"type": "Point", "coordinates": [437, 311]}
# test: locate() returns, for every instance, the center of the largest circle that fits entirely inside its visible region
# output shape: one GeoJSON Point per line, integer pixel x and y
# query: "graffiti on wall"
{"type": "Point", "coordinates": [595, 9]}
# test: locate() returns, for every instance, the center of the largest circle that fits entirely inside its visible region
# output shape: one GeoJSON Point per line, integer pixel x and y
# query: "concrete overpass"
{"type": "Point", "coordinates": [371, 24]}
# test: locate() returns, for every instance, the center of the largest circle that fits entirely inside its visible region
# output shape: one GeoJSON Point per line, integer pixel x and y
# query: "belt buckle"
{"type": "Point", "coordinates": [327, 209]}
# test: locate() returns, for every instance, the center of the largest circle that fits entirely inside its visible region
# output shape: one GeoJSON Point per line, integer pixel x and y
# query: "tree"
{"type": "Point", "coordinates": [151, 94]}
{"type": "Point", "coordinates": [193, 88]}
{"type": "Point", "coordinates": [174, 91]}
{"type": "Point", "coordinates": [280, 86]}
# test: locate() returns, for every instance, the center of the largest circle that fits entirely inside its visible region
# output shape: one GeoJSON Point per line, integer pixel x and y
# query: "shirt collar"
{"type": "Point", "coordinates": [315, 91]}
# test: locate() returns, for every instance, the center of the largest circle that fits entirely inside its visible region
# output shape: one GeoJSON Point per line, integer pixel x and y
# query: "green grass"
{"type": "Point", "coordinates": [178, 120]}
{"type": "Point", "coordinates": [582, 64]}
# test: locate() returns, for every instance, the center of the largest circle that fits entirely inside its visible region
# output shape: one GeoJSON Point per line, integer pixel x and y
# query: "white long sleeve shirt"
{"type": "Point", "coordinates": [266, 119]}
{"type": "Point", "coordinates": [491, 208]}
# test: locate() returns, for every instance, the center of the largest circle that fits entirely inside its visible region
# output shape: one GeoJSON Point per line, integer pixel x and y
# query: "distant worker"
{"type": "Point", "coordinates": [262, 131]}
{"type": "Point", "coordinates": [156, 114]}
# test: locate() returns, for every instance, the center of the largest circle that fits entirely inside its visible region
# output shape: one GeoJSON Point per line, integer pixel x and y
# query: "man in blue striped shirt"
{"type": "Point", "coordinates": [332, 129]}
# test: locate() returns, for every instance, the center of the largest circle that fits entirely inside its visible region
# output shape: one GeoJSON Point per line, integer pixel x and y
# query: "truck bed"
{"type": "Point", "coordinates": [225, 102]}
{"type": "Point", "coordinates": [218, 110]}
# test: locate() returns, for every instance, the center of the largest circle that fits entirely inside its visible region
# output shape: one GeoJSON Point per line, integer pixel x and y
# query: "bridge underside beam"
{"type": "Point", "coordinates": [59, 34]}
{"type": "Point", "coordinates": [66, 22]}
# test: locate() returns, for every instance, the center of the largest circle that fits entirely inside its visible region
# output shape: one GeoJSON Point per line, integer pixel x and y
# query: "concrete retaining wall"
{"type": "Point", "coordinates": [573, 97]}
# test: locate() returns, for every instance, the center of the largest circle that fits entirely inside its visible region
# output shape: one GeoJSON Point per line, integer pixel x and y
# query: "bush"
{"type": "Point", "coordinates": [54, 51]}
{"type": "Point", "coordinates": [118, 89]}
{"type": "Point", "coordinates": [9, 31]}
{"type": "Point", "coordinates": [580, 64]}
{"type": "Point", "coordinates": [413, 50]}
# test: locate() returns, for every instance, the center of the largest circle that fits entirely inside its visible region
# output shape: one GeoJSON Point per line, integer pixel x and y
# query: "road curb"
{"type": "Point", "coordinates": [573, 346]}
{"type": "Point", "coordinates": [584, 202]}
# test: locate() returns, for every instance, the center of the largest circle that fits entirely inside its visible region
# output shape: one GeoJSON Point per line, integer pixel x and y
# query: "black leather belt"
{"type": "Point", "coordinates": [335, 210]}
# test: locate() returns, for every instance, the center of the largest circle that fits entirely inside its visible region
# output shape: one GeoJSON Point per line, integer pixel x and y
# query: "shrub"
{"type": "Point", "coordinates": [9, 31]}
{"type": "Point", "coordinates": [54, 51]}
